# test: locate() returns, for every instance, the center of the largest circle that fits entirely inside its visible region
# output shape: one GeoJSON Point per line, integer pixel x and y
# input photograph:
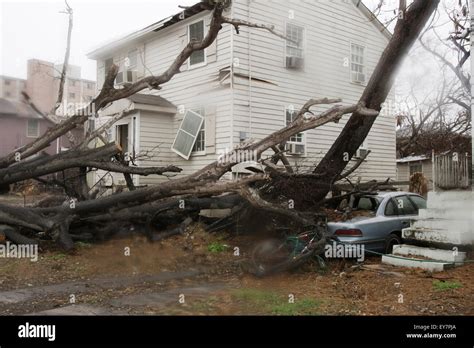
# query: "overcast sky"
{"type": "Point", "coordinates": [37, 29]}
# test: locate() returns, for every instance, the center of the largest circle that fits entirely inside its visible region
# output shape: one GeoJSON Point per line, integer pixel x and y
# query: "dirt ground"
{"type": "Point", "coordinates": [203, 274]}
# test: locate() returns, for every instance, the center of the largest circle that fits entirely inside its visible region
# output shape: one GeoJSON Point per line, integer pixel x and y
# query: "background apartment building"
{"type": "Point", "coordinates": [42, 85]}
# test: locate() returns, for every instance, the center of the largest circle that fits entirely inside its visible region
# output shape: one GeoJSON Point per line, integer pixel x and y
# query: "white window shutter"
{"type": "Point", "coordinates": [183, 39]}
{"type": "Point", "coordinates": [211, 114]}
{"type": "Point", "coordinates": [187, 134]}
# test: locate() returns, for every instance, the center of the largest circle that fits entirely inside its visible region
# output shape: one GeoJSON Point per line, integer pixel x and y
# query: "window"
{"type": "Point", "coordinates": [418, 201]}
{"type": "Point", "coordinates": [33, 129]}
{"type": "Point", "coordinates": [296, 144]}
{"type": "Point", "coordinates": [72, 95]}
{"type": "Point", "coordinates": [7, 82]}
{"type": "Point", "coordinates": [200, 145]}
{"type": "Point", "coordinates": [294, 46]}
{"type": "Point", "coordinates": [72, 83]}
{"type": "Point", "coordinates": [8, 94]}
{"type": "Point", "coordinates": [415, 168]}
{"type": "Point", "coordinates": [90, 85]}
{"type": "Point", "coordinates": [290, 115]}
{"type": "Point", "coordinates": [405, 206]}
{"type": "Point", "coordinates": [390, 209]}
{"type": "Point", "coordinates": [128, 69]}
{"type": "Point", "coordinates": [363, 149]}
{"type": "Point", "coordinates": [190, 129]}
{"type": "Point", "coordinates": [357, 63]}
{"type": "Point", "coordinates": [196, 33]}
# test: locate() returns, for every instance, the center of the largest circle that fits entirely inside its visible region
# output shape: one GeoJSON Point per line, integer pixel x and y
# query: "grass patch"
{"type": "Point", "coordinates": [268, 302]}
{"type": "Point", "coordinates": [83, 245]}
{"type": "Point", "coordinates": [305, 306]}
{"type": "Point", "coordinates": [59, 256]}
{"type": "Point", "coordinates": [443, 286]}
{"type": "Point", "coordinates": [217, 247]}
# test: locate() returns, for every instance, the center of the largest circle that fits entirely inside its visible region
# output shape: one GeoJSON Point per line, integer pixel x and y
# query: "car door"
{"type": "Point", "coordinates": [407, 211]}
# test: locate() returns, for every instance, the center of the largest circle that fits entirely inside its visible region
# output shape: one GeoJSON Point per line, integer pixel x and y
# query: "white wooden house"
{"type": "Point", "coordinates": [247, 85]}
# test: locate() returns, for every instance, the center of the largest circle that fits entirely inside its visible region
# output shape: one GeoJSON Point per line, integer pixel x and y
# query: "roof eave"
{"type": "Point", "coordinates": [140, 34]}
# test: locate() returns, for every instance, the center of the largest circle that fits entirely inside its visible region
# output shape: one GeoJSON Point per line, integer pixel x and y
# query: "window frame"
{"type": "Point", "coordinates": [303, 42]}
{"type": "Point", "coordinates": [28, 135]}
{"type": "Point", "coordinates": [303, 134]}
{"type": "Point", "coordinates": [188, 29]}
{"type": "Point", "coordinates": [396, 211]}
{"type": "Point", "coordinates": [412, 165]}
{"type": "Point", "coordinates": [364, 63]}
{"type": "Point", "coordinates": [201, 111]}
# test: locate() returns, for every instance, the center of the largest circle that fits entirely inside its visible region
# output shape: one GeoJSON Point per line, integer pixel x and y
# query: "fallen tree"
{"type": "Point", "coordinates": [68, 222]}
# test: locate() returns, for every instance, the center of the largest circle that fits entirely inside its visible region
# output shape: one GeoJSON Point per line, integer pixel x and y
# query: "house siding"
{"type": "Point", "coordinates": [258, 108]}
{"type": "Point", "coordinates": [330, 27]}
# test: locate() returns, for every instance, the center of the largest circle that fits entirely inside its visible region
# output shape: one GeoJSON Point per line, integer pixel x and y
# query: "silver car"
{"type": "Point", "coordinates": [385, 215]}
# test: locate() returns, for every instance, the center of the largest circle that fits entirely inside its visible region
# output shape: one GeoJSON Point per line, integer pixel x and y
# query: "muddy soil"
{"type": "Point", "coordinates": [203, 274]}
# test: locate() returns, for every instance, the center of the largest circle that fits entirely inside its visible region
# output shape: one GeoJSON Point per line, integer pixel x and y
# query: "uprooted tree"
{"type": "Point", "coordinates": [84, 215]}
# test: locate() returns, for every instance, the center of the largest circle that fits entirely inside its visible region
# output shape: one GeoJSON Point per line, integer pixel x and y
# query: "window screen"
{"type": "Point", "coordinates": [33, 129]}
{"type": "Point", "coordinates": [294, 46]}
{"type": "Point", "coordinates": [187, 134]}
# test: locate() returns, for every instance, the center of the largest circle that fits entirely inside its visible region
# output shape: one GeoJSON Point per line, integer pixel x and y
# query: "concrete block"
{"type": "Point", "coordinates": [430, 253]}
{"type": "Point", "coordinates": [428, 266]}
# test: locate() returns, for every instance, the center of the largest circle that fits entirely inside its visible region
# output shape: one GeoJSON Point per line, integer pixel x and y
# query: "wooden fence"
{"type": "Point", "coordinates": [451, 171]}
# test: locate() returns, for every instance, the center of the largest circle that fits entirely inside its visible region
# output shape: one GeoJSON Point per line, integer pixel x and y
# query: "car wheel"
{"type": "Point", "coordinates": [392, 240]}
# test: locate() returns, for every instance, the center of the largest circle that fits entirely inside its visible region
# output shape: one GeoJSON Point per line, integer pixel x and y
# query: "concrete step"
{"type": "Point", "coordinates": [430, 253]}
{"type": "Point", "coordinates": [438, 235]}
{"type": "Point", "coordinates": [457, 214]}
{"type": "Point", "coordinates": [461, 226]}
{"type": "Point", "coordinates": [396, 260]}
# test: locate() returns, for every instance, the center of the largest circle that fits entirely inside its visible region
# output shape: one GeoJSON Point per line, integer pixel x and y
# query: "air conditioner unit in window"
{"type": "Point", "coordinates": [294, 62]}
{"type": "Point", "coordinates": [358, 77]}
{"type": "Point", "coordinates": [361, 153]}
{"type": "Point", "coordinates": [295, 149]}
{"type": "Point", "coordinates": [125, 77]}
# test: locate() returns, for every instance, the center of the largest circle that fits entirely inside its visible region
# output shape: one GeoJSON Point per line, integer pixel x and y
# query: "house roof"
{"type": "Point", "coordinates": [413, 159]}
{"type": "Point", "coordinates": [155, 27]}
{"type": "Point", "coordinates": [154, 100]}
{"type": "Point", "coordinates": [16, 108]}
{"type": "Point", "coordinates": [198, 8]}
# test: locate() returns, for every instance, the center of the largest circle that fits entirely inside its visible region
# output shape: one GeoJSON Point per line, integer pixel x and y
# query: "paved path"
{"type": "Point", "coordinates": [23, 295]}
